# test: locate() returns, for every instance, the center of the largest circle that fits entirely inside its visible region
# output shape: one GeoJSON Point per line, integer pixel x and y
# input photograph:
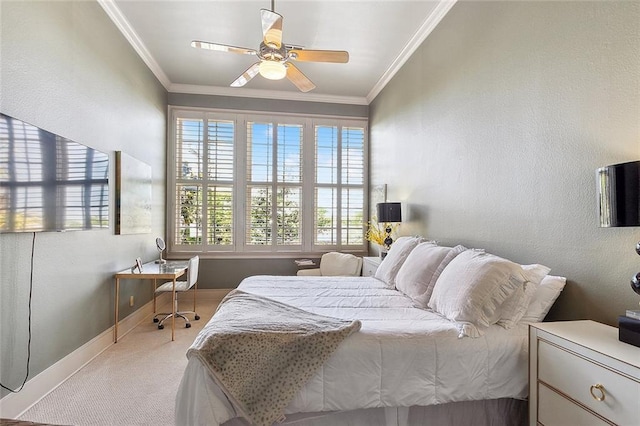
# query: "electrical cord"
{"type": "Point", "coordinates": [26, 376]}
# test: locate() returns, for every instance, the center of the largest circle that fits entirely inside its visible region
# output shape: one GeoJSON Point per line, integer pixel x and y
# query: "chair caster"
{"type": "Point", "coordinates": [160, 326]}
{"type": "Point", "coordinates": [156, 320]}
{"type": "Point", "coordinates": [187, 325]}
{"type": "Point", "coordinates": [197, 317]}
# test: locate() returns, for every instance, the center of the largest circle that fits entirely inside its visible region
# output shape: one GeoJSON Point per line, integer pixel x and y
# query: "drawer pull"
{"type": "Point", "coordinates": [597, 388]}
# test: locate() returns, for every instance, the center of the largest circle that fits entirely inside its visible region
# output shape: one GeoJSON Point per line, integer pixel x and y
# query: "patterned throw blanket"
{"type": "Point", "coordinates": [261, 352]}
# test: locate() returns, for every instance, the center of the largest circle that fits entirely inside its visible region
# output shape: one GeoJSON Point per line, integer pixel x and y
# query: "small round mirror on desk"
{"type": "Point", "coordinates": [161, 246]}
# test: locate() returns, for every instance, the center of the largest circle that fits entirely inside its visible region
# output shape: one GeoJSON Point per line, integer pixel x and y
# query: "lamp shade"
{"type": "Point", "coordinates": [619, 194]}
{"type": "Point", "coordinates": [389, 212]}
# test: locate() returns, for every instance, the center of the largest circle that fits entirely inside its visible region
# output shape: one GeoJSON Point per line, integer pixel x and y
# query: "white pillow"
{"type": "Point", "coordinates": [536, 272]}
{"type": "Point", "coordinates": [417, 270]}
{"type": "Point", "coordinates": [472, 287]}
{"type": "Point", "coordinates": [418, 274]}
{"type": "Point", "coordinates": [514, 308]}
{"type": "Point", "coordinates": [392, 262]}
{"type": "Point", "coordinates": [544, 296]}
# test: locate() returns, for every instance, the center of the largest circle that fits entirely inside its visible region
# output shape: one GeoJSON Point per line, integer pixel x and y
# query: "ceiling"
{"type": "Point", "coordinates": [379, 36]}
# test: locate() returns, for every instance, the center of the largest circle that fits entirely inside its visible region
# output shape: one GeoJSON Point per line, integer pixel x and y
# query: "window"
{"type": "Point", "coordinates": [249, 183]}
{"type": "Point", "coordinates": [339, 185]}
{"type": "Point", "coordinates": [274, 185]}
{"type": "Point", "coordinates": [204, 182]}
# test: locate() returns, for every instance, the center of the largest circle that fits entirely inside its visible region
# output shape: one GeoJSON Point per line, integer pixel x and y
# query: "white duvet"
{"type": "Point", "coordinates": [402, 356]}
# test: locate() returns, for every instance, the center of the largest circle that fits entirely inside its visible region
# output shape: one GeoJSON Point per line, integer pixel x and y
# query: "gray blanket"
{"type": "Point", "coordinates": [262, 352]}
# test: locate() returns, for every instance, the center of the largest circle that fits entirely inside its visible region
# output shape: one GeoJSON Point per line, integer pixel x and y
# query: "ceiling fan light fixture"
{"type": "Point", "coordinates": [272, 70]}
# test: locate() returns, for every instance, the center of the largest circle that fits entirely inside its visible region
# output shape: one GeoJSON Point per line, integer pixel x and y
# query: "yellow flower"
{"type": "Point", "coordinates": [376, 232]}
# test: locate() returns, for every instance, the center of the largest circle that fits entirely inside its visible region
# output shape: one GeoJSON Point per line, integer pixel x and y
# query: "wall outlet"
{"type": "Point", "coordinates": [131, 301]}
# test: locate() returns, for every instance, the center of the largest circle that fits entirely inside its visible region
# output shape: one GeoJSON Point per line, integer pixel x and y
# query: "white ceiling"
{"type": "Point", "coordinates": [379, 36]}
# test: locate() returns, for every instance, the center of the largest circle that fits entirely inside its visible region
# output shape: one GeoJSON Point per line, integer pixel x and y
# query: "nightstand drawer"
{"type": "Point", "coordinates": [554, 410]}
{"type": "Point", "coordinates": [575, 376]}
{"type": "Point", "coordinates": [368, 270]}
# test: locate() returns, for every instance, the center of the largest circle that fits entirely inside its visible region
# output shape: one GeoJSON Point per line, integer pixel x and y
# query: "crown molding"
{"type": "Point", "coordinates": [423, 32]}
{"type": "Point", "coordinates": [132, 37]}
{"type": "Point", "coordinates": [127, 30]}
{"type": "Point", "coordinates": [265, 94]}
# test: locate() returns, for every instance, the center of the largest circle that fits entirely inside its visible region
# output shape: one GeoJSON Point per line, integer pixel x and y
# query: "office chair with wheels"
{"type": "Point", "coordinates": [181, 286]}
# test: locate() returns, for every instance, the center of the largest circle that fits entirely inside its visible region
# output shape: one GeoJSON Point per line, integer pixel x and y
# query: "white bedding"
{"type": "Point", "coordinates": [402, 356]}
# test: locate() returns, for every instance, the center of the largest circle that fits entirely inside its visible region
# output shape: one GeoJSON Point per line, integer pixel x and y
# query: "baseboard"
{"type": "Point", "coordinates": [15, 404]}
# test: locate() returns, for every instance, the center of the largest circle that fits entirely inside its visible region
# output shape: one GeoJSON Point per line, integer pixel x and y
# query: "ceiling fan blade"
{"type": "Point", "coordinates": [300, 80]}
{"type": "Point", "coordinates": [222, 47]}
{"type": "Point", "coordinates": [335, 56]}
{"type": "Point", "coordinates": [271, 28]}
{"type": "Point", "coordinates": [251, 72]}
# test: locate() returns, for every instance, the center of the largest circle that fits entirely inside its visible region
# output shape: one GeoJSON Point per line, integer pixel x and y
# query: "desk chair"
{"type": "Point", "coordinates": [181, 286]}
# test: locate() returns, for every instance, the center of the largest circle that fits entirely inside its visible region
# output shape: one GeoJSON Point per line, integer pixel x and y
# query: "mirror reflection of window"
{"type": "Point", "coordinates": [49, 183]}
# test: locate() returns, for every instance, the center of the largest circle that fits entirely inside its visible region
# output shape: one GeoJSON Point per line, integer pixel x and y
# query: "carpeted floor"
{"type": "Point", "coordinates": [133, 382]}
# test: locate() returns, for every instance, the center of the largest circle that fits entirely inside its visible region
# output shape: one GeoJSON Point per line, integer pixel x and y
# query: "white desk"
{"type": "Point", "coordinates": [153, 271]}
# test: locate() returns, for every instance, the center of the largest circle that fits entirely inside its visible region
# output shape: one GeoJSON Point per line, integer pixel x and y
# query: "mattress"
{"type": "Point", "coordinates": [402, 356]}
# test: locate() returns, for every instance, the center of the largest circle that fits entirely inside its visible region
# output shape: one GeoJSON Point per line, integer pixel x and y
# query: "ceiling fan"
{"type": "Point", "coordinates": [275, 56]}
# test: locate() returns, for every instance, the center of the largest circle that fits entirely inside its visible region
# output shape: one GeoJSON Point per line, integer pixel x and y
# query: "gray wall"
{"type": "Point", "coordinates": [503, 116]}
{"type": "Point", "coordinates": [227, 273]}
{"type": "Point", "coordinates": [268, 105]}
{"type": "Point", "coordinates": [66, 68]}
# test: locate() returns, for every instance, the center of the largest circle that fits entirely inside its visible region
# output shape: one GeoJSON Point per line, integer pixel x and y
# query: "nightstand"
{"type": "Point", "coordinates": [370, 265]}
{"type": "Point", "coordinates": [581, 374]}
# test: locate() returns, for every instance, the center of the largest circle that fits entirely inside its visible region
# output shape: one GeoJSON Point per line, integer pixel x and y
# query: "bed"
{"type": "Point", "coordinates": [406, 365]}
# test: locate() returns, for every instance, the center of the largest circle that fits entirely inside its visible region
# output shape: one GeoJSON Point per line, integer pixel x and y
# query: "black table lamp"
{"type": "Point", "coordinates": [619, 197]}
{"type": "Point", "coordinates": [619, 202]}
{"type": "Point", "coordinates": [389, 213]}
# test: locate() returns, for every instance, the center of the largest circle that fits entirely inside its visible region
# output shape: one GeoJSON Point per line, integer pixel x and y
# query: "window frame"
{"type": "Point", "coordinates": [339, 186]}
{"type": "Point", "coordinates": [239, 247]}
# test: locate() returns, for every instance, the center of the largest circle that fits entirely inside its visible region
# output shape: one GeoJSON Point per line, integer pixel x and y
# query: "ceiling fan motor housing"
{"type": "Point", "coordinates": [273, 54]}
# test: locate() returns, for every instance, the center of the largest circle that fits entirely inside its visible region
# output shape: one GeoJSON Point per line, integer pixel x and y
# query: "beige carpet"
{"type": "Point", "coordinates": [133, 382]}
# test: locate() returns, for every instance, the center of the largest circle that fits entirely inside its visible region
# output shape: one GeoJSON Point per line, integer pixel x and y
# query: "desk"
{"type": "Point", "coordinates": [153, 271]}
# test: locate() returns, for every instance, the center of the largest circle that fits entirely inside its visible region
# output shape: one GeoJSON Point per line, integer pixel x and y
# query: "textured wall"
{"type": "Point", "coordinates": [66, 68]}
{"type": "Point", "coordinates": [269, 105]}
{"type": "Point", "coordinates": [503, 116]}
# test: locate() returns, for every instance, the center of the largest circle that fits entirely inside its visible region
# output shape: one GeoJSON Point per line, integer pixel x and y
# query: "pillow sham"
{"type": "Point", "coordinates": [392, 262]}
{"type": "Point", "coordinates": [536, 272]}
{"type": "Point", "coordinates": [418, 274]}
{"type": "Point", "coordinates": [472, 287]}
{"type": "Point", "coordinates": [415, 273]}
{"type": "Point", "coordinates": [514, 308]}
{"type": "Point", "coordinates": [543, 298]}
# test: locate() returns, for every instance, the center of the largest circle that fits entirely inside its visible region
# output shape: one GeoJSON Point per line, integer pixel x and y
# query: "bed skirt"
{"type": "Point", "coordinates": [493, 412]}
